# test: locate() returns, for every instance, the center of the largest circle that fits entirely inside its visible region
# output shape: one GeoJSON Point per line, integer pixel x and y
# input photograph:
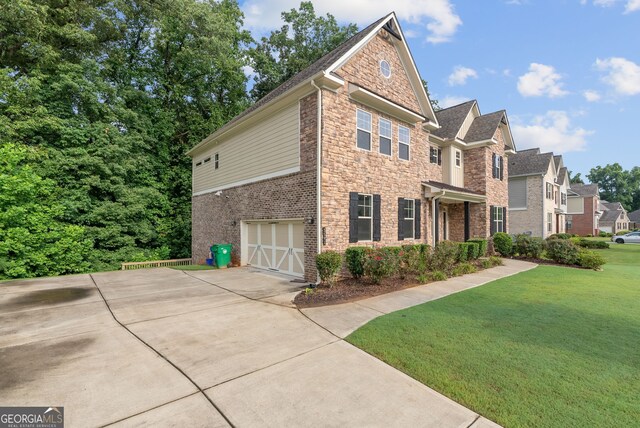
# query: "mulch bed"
{"type": "Point", "coordinates": [546, 262]}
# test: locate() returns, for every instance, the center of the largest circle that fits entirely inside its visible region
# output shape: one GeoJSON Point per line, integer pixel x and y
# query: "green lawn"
{"type": "Point", "coordinates": [551, 347]}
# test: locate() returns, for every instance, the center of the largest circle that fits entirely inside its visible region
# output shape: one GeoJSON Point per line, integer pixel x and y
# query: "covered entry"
{"type": "Point", "coordinates": [277, 245]}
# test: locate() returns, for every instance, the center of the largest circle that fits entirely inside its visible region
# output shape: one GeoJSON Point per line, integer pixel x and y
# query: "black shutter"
{"type": "Point", "coordinates": [491, 217]}
{"type": "Point", "coordinates": [376, 217]}
{"type": "Point", "coordinates": [501, 167]}
{"type": "Point", "coordinates": [439, 156]}
{"type": "Point", "coordinates": [504, 219]}
{"type": "Point", "coordinates": [400, 218]}
{"type": "Point", "coordinates": [493, 165]}
{"type": "Point", "coordinates": [417, 214]}
{"type": "Point", "coordinates": [353, 217]}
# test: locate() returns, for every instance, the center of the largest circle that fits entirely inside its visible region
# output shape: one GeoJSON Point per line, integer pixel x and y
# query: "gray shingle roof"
{"type": "Point", "coordinates": [321, 64]}
{"type": "Point", "coordinates": [585, 189]}
{"type": "Point", "coordinates": [556, 160]}
{"type": "Point", "coordinates": [610, 215]}
{"type": "Point", "coordinates": [612, 205]}
{"type": "Point", "coordinates": [450, 119]}
{"type": "Point", "coordinates": [450, 187]}
{"type": "Point", "coordinates": [484, 127]}
{"type": "Point", "coordinates": [562, 174]}
{"type": "Point", "coordinates": [634, 216]}
{"type": "Point", "coordinates": [529, 162]}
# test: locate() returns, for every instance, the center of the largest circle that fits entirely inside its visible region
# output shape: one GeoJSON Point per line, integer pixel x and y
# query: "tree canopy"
{"type": "Point", "coordinates": [617, 184]}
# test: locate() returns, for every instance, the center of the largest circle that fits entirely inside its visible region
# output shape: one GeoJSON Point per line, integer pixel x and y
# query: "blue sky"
{"type": "Point", "coordinates": [566, 71]}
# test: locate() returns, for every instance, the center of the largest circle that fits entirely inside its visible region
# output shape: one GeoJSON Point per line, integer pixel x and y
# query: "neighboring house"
{"type": "Point", "coordinates": [634, 220]}
{"type": "Point", "coordinates": [538, 188]}
{"type": "Point", "coordinates": [614, 217]}
{"type": "Point", "coordinates": [349, 152]}
{"type": "Point", "coordinates": [583, 209]}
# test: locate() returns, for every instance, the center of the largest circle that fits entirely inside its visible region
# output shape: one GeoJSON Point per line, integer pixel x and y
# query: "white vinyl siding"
{"type": "Point", "coordinates": [518, 193]}
{"type": "Point", "coordinates": [266, 149]}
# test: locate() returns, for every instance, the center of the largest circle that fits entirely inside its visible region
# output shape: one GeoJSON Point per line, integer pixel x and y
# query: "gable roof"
{"type": "Point", "coordinates": [610, 215]}
{"type": "Point", "coordinates": [451, 119]}
{"type": "Point", "coordinates": [563, 175]}
{"type": "Point", "coordinates": [585, 189]}
{"type": "Point", "coordinates": [613, 205]}
{"type": "Point", "coordinates": [484, 127]}
{"type": "Point", "coordinates": [326, 65]}
{"type": "Point", "coordinates": [557, 160]}
{"type": "Point", "coordinates": [529, 162]}
{"type": "Point", "coordinates": [634, 216]}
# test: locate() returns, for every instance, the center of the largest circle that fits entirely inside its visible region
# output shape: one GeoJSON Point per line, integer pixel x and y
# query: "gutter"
{"type": "Point", "coordinates": [318, 169]}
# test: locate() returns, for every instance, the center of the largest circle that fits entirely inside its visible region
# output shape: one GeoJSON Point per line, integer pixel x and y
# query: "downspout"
{"type": "Point", "coordinates": [318, 171]}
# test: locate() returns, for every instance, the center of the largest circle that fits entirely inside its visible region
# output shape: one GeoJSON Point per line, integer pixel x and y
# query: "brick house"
{"type": "Point", "coordinates": [634, 220]}
{"type": "Point", "coordinates": [583, 209]}
{"type": "Point", "coordinates": [614, 217]}
{"type": "Point", "coordinates": [538, 193]}
{"type": "Point", "coordinates": [349, 152]}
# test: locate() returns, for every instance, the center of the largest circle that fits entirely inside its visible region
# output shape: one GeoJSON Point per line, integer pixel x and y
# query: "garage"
{"type": "Point", "coordinates": [277, 245]}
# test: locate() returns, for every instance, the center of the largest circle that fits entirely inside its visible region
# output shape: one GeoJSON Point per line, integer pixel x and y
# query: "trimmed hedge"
{"type": "Point", "coordinates": [468, 251]}
{"type": "Point", "coordinates": [503, 243]}
{"type": "Point", "coordinates": [560, 236]}
{"type": "Point", "coordinates": [585, 243]}
{"type": "Point", "coordinates": [483, 244]}
{"type": "Point", "coordinates": [590, 259]}
{"type": "Point", "coordinates": [529, 246]}
{"type": "Point", "coordinates": [328, 264]}
{"type": "Point", "coordinates": [563, 251]}
{"type": "Point", "coordinates": [354, 258]}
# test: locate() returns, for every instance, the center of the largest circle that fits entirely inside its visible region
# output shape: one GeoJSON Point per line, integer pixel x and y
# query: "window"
{"type": "Point", "coordinates": [385, 68]}
{"type": "Point", "coordinates": [518, 193]}
{"type": "Point", "coordinates": [498, 219]}
{"type": "Point", "coordinates": [365, 217]}
{"type": "Point", "coordinates": [363, 130]}
{"type": "Point", "coordinates": [207, 159]}
{"type": "Point", "coordinates": [458, 158]}
{"type": "Point", "coordinates": [549, 222]}
{"type": "Point", "coordinates": [497, 166]}
{"type": "Point", "coordinates": [403, 142]}
{"type": "Point", "coordinates": [435, 155]}
{"type": "Point", "coordinates": [569, 222]}
{"type": "Point", "coordinates": [563, 198]}
{"type": "Point", "coordinates": [216, 160]}
{"type": "Point", "coordinates": [199, 163]}
{"type": "Point", "coordinates": [549, 191]}
{"type": "Point", "coordinates": [384, 128]}
{"type": "Point", "coordinates": [408, 223]}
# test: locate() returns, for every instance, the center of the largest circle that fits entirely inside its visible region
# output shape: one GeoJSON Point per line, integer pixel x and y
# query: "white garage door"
{"type": "Point", "coordinates": [277, 246]}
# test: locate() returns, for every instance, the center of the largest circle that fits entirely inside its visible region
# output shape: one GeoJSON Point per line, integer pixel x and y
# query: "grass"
{"type": "Point", "coordinates": [551, 347]}
{"type": "Point", "coordinates": [194, 267]}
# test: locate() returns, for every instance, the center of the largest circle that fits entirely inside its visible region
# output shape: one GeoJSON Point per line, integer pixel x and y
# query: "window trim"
{"type": "Point", "coordinates": [365, 217]}
{"type": "Point", "coordinates": [408, 143]}
{"type": "Point", "coordinates": [549, 191]}
{"type": "Point", "coordinates": [388, 66]}
{"type": "Point", "coordinates": [438, 155]}
{"type": "Point", "coordinates": [369, 131]}
{"type": "Point", "coordinates": [498, 218]}
{"type": "Point", "coordinates": [216, 161]}
{"type": "Point", "coordinates": [458, 158]}
{"type": "Point", "coordinates": [549, 222]}
{"type": "Point", "coordinates": [413, 219]}
{"type": "Point", "coordinates": [496, 166]}
{"type": "Point", "coordinates": [390, 137]}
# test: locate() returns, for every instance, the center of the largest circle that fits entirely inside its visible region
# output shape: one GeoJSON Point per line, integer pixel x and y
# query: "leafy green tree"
{"type": "Point", "coordinates": [617, 184]}
{"type": "Point", "coordinates": [435, 105]}
{"type": "Point", "coordinates": [33, 240]}
{"type": "Point", "coordinates": [575, 179]}
{"type": "Point", "coordinates": [297, 44]}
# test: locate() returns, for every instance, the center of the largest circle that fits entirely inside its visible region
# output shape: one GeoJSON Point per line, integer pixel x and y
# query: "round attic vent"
{"type": "Point", "coordinates": [385, 68]}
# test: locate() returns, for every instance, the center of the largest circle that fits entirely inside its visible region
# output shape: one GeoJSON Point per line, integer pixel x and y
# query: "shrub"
{"type": "Point", "coordinates": [463, 252]}
{"type": "Point", "coordinates": [409, 260]}
{"type": "Point", "coordinates": [622, 232]}
{"type": "Point", "coordinates": [354, 258]}
{"type": "Point", "coordinates": [496, 261]}
{"type": "Point", "coordinates": [482, 246]}
{"type": "Point", "coordinates": [423, 278]}
{"type": "Point", "coordinates": [590, 259]}
{"type": "Point", "coordinates": [503, 243]}
{"type": "Point", "coordinates": [589, 235]}
{"type": "Point", "coordinates": [604, 234]}
{"type": "Point", "coordinates": [486, 263]}
{"type": "Point", "coordinates": [562, 251]}
{"type": "Point", "coordinates": [468, 251]}
{"type": "Point", "coordinates": [379, 264]}
{"type": "Point", "coordinates": [528, 246]}
{"type": "Point", "coordinates": [585, 243]}
{"type": "Point", "coordinates": [444, 256]}
{"type": "Point", "coordinates": [438, 275]}
{"type": "Point", "coordinates": [560, 236]}
{"type": "Point", "coordinates": [463, 269]}
{"type": "Point", "coordinates": [328, 264]}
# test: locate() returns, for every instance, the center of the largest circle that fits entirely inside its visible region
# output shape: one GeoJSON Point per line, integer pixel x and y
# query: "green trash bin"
{"type": "Point", "coordinates": [221, 254]}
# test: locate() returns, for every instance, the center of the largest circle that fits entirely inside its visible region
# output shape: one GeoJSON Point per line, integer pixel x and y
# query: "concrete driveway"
{"type": "Point", "coordinates": [205, 348]}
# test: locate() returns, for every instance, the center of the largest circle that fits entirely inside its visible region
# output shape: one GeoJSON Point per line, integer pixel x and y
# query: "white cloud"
{"type": "Point", "coordinates": [551, 132]}
{"type": "Point", "coordinates": [622, 75]}
{"type": "Point", "coordinates": [506, 72]}
{"type": "Point", "coordinates": [452, 100]}
{"type": "Point", "coordinates": [436, 16]}
{"type": "Point", "coordinates": [541, 80]}
{"type": "Point", "coordinates": [591, 95]}
{"type": "Point", "coordinates": [632, 6]}
{"type": "Point", "coordinates": [461, 74]}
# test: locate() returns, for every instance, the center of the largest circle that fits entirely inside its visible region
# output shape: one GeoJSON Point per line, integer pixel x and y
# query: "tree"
{"type": "Point", "coordinates": [33, 240]}
{"type": "Point", "coordinates": [617, 184]}
{"type": "Point", "coordinates": [575, 179]}
{"type": "Point", "coordinates": [302, 40]}
{"type": "Point", "coordinates": [435, 105]}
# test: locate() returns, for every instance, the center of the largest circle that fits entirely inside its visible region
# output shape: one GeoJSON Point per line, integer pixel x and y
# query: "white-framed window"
{"type": "Point", "coordinates": [549, 222]}
{"type": "Point", "coordinates": [409, 221]}
{"type": "Point", "coordinates": [569, 222]}
{"type": "Point", "coordinates": [497, 163]}
{"type": "Point", "coordinates": [404, 138]}
{"type": "Point", "coordinates": [198, 164]}
{"type": "Point", "coordinates": [363, 130]}
{"type": "Point", "coordinates": [549, 191]}
{"type": "Point", "coordinates": [458, 158]}
{"type": "Point", "coordinates": [385, 68]}
{"type": "Point", "coordinates": [384, 129]}
{"type": "Point", "coordinates": [435, 155]}
{"type": "Point", "coordinates": [563, 198]}
{"type": "Point", "coordinates": [365, 217]}
{"type": "Point", "coordinates": [207, 160]}
{"type": "Point", "coordinates": [498, 219]}
{"type": "Point", "coordinates": [216, 161]}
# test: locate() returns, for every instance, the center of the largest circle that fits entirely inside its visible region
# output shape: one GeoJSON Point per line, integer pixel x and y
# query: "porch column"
{"type": "Point", "coordinates": [436, 216]}
{"type": "Point", "coordinates": [466, 221]}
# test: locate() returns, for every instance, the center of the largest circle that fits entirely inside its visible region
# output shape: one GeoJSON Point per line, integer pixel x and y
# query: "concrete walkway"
{"type": "Point", "coordinates": [209, 348]}
{"type": "Point", "coordinates": [343, 319]}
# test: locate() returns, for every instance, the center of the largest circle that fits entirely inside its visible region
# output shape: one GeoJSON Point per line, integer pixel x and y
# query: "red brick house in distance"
{"type": "Point", "coordinates": [349, 152]}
